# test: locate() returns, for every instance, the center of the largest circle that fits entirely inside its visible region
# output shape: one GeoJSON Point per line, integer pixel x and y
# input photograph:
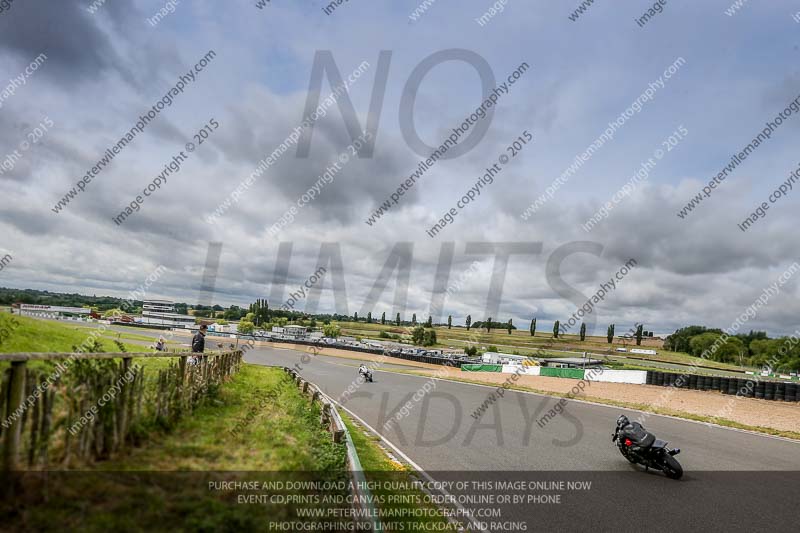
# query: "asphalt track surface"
{"type": "Point", "coordinates": [733, 480]}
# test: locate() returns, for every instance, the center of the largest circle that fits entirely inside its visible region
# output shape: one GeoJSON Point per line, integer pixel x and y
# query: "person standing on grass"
{"type": "Point", "coordinates": [199, 343]}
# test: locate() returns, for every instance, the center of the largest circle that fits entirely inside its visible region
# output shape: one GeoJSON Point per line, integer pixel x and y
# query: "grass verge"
{"type": "Point", "coordinates": [401, 505]}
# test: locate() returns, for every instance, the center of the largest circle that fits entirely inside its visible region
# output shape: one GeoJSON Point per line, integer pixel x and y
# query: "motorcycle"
{"type": "Point", "coordinates": [639, 446]}
{"type": "Point", "coordinates": [367, 373]}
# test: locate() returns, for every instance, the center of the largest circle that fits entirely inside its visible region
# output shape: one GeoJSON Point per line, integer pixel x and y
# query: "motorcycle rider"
{"type": "Point", "coordinates": [363, 369]}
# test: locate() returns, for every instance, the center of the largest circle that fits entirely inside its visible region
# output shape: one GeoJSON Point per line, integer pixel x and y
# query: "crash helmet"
{"type": "Point", "coordinates": [622, 421]}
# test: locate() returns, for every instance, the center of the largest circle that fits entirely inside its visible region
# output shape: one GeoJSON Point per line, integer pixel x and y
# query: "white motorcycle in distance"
{"type": "Point", "coordinates": [366, 372]}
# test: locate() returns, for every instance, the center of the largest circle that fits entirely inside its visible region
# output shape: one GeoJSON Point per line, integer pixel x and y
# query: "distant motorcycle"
{"type": "Point", "coordinates": [639, 446]}
{"type": "Point", "coordinates": [366, 372]}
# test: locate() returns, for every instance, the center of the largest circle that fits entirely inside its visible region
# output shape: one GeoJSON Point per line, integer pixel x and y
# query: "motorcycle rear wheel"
{"type": "Point", "coordinates": [672, 468]}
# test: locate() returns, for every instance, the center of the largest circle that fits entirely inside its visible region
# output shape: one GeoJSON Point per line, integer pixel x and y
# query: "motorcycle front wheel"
{"type": "Point", "coordinates": [627, 456]}
{"type": "Point", "coordinates": [672, 468]}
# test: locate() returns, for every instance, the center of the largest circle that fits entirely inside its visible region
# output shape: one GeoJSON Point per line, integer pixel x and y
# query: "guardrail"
{"type": "Point", "coordinates": [103, 402]}
{"type": "Point", "coordinates": [331, 419]}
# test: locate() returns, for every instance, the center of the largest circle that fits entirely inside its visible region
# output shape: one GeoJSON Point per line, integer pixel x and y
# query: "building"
{"type": "Point", "coordinates": [291, 332]}
{"type": "Point", "coordinates": [162, 313]}
{"type": "Point", "coordinates": [497, 358]}
{"type": "Point", "coordinates": [51, 311]}
{"type": "Point", "coordinates": [572, 362]}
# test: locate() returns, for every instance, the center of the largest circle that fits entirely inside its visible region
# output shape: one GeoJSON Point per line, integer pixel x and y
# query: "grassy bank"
{"type": "Point", "coordinates": [24, 334]}
{"type": "Point", "coordinates": [258, 424]}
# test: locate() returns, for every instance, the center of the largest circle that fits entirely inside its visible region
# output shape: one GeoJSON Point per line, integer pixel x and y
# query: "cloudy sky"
{"type": "Point", "coordinates": [104, 69]}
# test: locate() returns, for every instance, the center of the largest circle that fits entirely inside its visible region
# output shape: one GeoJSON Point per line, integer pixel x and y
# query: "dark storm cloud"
{"type": "Point", "coordinates": [70, 37]}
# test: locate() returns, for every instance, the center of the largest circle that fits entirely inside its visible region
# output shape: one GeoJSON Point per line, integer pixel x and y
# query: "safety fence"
{"type": "Point", "coordinates": [67, 407]}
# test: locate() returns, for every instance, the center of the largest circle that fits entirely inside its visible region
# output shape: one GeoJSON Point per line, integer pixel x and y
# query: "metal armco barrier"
{"type": "Point", "coordinates": [762, 389]}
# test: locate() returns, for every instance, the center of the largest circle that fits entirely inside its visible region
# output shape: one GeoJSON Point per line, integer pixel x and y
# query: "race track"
{"type": "Point", "coordinates": [729, 474]}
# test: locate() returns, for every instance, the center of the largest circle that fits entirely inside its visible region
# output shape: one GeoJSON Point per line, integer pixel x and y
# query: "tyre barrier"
{"type": "Point", "coordinates": [701, 382]}
{"type": "Point", "coordinates": [750, 387]}
{"type": "Point", "coordinates": [791, 392]}
{"type": "Point", "coordinates": [769, 390]}
{"type": "Point", "coordinates": [780, 392]}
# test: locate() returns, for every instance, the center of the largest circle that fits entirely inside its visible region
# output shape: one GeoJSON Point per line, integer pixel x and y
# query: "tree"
{"type": "Point", "coordinates": [509, 326]}
{"type": "Point", "coordinates": [245, 326]}
{"type": "Point", "coordinates": [555, 329]}
{"type": "Point", "coordinates": [250, 317]}
{"type": "Point", "coordinates": [533, 327]}
{"type": "Point", "coordinates": [489, 325]}
{"type": "Point", "coordinates": [429, 322]}
{"type": "Point", "coordinates": [355, 316]}
{"type": "Point", "coordinates": [369, 317]}
{"type": "Point", "coordinates": [414, 319]}
{"type": "Point", "coordinates": [429, 338]}
{"type": "Point", "coordinates": [112, 313]}
{"type": "Point", "coordinates": [710, 346]}
{"type": "Point", "coordinates": [583, 331]}
{"type": "Point", "coordinates": [679, 341]}
{"type": "Point", "coordinates": [449, 321]}
{"type": "Point", "coordinates": [331, 330]}
{"type": "Point", "coordinates": [260, 311]}
{"type": "Point", "coordinates": [471, 351]}
{"type": "Point", "coordinates": [397, 319]}
{"type": "Point", "coordinates": [639, 335]}
{"type": "Point", "coordinates": [468, 321]}
{"type": "Point", "coordinates": [417, 335]}
{"type": "Point", "coordinates": [610, 333]}
{"type": "Point", "coordinates": [383, 317]}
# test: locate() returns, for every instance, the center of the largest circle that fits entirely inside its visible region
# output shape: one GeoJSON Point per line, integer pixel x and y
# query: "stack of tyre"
{"type": "Point", "coordinates": [745, 387]}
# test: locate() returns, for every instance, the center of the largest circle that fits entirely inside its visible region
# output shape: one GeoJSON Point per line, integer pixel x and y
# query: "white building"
{"type": "Point", "coordinates": [50, 311]}
{"type": "Point", "coordinates": [497, 358]}
{"type": "Point", "coordinates": [291, 332]}
{"type": "Point", "coordinates": [162, 313]}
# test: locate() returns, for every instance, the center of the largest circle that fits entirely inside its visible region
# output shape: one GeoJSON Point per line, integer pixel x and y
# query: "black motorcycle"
{"type": "Point", "coordinates": [639, 446]}
{"type": "Point", "coordinates": [367, 373]}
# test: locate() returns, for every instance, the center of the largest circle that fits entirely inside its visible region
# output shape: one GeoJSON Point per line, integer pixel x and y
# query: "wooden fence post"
{"type": "Point", "coordinates": [124, 393]}
{"type": "Point", "coordinates": [16, 395]}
